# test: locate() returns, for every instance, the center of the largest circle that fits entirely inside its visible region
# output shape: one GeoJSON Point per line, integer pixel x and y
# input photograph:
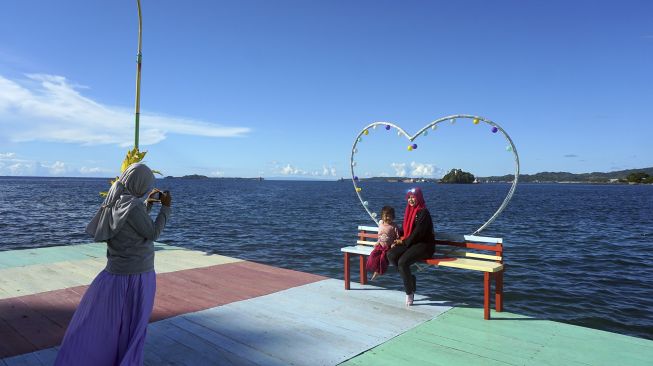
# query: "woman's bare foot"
{"type": "Point", "coordinates": [374, 276]}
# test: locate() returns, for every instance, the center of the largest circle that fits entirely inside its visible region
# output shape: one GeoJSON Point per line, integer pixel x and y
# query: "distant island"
{"type": "Point", "coordinates": [644, 175]}
{"type": "Point", "coordinates": [628, 176]}
{"type": "Point", "coordinates": [455, 176]}
{"type": "Point", "coordinates": [197, 176]}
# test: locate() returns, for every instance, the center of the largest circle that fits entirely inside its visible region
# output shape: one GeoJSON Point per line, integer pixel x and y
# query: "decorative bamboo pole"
{"type": "Point", "coordinates": [139, 58]}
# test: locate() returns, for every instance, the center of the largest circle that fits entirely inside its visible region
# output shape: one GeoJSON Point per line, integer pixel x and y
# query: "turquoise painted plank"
{"type": "Point", "coordinates": [201, 329]}
{"type": "Point", "coordinates": [26, 257]}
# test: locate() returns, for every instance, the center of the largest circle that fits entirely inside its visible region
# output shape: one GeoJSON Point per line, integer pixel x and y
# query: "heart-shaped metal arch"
{"type": "Point", "coordinates": [352, 163]}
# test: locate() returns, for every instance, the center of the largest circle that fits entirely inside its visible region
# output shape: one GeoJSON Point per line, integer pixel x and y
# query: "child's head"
{"type": "Point", "coordinates": [387, 214]}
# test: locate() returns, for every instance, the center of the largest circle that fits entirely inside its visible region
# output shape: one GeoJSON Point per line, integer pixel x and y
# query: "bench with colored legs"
{"type": "Point", "coordinates": [468, 252]}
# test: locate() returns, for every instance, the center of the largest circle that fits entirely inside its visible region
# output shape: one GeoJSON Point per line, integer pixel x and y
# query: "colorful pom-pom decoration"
{"type": "Point", "coordinates": [476, 121]}
{"type": "Point", "coordinates": [374, 127]}
{"type": "Point", "coordinates": [365, 203]}
{"type": "Point", "coordinates": [494, 130]}
{"type": "Point", "coordinates": [508, 148]}
{"type": "Point", "coordinates": [360, 139]}
{"type": "Point", "coordinates": [387, 127]}
{"type": "Point", "coordinates": [366, 132]}
{"type": "Point", "coordinates": [355, 177]}
{"type": "Point", "coordinates": [373, 214]}
{"type": "Point", "coordinates": [410, 147]}
{"type": "Point", "coordinates": [353, 163]}
{"type": "Point", "coordinates": [426, 133]}
{"type": "Point", "coordinates": [414, 146]}
{"type": "Point", "coordinates": [434, 127]}
{"type": "Point", "coordinates": [355, 150]}
{"type": "Point", "coordinates": [358, 189]}
{"type": "Point", "coordinates": [453, 120]}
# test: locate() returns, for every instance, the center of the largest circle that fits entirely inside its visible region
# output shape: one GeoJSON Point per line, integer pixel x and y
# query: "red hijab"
{"type": "Point", "coordinates": [411, 211]}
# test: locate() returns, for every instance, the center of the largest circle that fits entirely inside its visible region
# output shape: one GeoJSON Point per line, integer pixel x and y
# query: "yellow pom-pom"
{"type": "Point", "coordinates": [366, 132]}
{"type": "Point", "coordinates": [358, 189]}
{"type": "Point", "coordinates": [476, 121]}
{"type": "Point", "coordinates": [410, 147]}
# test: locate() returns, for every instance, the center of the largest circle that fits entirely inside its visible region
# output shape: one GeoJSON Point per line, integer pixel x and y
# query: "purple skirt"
{"type": "Point", "coordinates": [110, 323]}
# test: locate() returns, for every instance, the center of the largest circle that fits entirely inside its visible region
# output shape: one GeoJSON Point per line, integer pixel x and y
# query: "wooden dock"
{"type": "Point", "coordinates": [217, 310]}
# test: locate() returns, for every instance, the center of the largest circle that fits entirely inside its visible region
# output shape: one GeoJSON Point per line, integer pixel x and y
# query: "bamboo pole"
{"type": "Point", "coordinates": [139, 58]}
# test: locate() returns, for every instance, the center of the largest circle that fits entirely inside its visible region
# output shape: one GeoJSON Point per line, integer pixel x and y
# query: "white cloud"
{"type": "Point", "coordinates": [291, 170]}
{"type": "Point", "coordinates": [329, 171]}
{"type": "Point", "coordinates": [49, 108]}
{"type": "Point", "coordinates": [421, 170]}
{"type": "Point", "coordinates": [58, 168]}
{"type": "Point", "coordinates": [94, 170]}
{"type": "Point", "coordinates": [217, 173]}
{"type": "Point", "coordinates": [11, 164]}
{"type": "Point", "coordinates": [400, 169]}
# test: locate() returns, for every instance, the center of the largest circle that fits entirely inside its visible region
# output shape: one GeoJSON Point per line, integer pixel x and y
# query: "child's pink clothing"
{"type": "Point", "coordinates": [377, 261]}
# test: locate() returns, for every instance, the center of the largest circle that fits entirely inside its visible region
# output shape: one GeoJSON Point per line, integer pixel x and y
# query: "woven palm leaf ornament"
{"type": "Point", "coordinates": [387, 127]}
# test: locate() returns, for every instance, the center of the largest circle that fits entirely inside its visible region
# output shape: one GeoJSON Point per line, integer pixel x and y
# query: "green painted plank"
{"type": "Point", "coordinates": [406, 350]}
{"type": "Point", "coordinates": [460, 337]}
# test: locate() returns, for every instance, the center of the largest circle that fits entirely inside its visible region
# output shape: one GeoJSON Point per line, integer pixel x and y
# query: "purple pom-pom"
{"type": "Point", "coordinates": [414, 146]}
{"type": "Point", "coordinates": [494, 130]}
{"type": "Point", "coordinates": [355, 177]}
{"type": "Point", "coordinates": [387, 127]}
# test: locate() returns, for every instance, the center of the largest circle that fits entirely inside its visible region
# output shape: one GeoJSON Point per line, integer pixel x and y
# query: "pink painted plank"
{"type": "Point", "coordinates": [38, 321]}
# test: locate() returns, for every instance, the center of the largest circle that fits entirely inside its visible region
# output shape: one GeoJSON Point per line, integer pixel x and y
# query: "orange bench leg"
{"type": "Point", "coordinates": [486, 295]}
{"type": "Point", "coordinates": [347, 274]}
{"type": "Point", "coordinates": [363, 270]}
{"type": "Point", "coordinates": [498, 291]}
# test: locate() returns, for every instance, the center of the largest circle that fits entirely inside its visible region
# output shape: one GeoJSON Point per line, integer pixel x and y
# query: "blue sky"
{"type": "Point", "coordinates": [282, 88]}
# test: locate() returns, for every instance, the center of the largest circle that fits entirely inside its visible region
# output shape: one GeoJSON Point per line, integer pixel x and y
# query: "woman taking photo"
{"type": "Point", "coordinates": [110, 323]}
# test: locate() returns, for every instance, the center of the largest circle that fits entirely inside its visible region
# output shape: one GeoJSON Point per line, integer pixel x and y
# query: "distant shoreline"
{"type": "Point", "coordinates": [615, 177]}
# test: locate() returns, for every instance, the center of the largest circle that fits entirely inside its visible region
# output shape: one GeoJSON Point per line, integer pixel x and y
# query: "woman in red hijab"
{"type": "Point", "coordinates": [416, 244]}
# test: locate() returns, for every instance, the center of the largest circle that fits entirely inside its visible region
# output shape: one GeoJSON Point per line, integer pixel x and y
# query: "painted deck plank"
{"type": "Point", "coordinates": [42, 277]}
{"type": "Point", "coordinates": [25, 257]}
{"type": "Point", "coordinates": [39, 320]}
{"type": "Point", "coordinates": [201, 351]}
{"type": "Point", "coordinates": [29, 359]}
{"type": "Point", "coordinates": [47, 356]}
{"type": "Point", "coordinates": [462, 337]}
{"type": "Point", "coordinates": [199, 328]}
{"type": "Point", "coordinates": [285, 326]}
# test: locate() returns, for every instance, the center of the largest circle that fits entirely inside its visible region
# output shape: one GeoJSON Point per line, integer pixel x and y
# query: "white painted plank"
{"type": "Point", "coordinates": [369, 228]}
{"type": "Point", "coordinates": [281, 340]}
{"type": "Point", "coordinates": [201, 352]}
{"type": "Point", "coordinates": [199, 326]}
{"type": "Point", "coordinates": [359, 249]}
{"type": "Point", "coordinates": [468, 238]}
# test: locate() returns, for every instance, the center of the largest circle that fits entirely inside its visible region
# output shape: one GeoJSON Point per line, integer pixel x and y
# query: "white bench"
{"type": "Point", "coordinates": [456, 251]}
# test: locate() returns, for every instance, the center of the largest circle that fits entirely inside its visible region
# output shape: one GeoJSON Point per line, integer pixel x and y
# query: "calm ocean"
{"type": "Point", "coordinates": [580, 254]}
